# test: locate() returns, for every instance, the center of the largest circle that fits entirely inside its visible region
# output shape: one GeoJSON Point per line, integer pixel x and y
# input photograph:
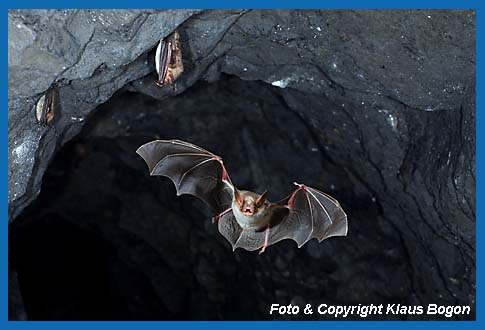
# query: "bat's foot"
{"type": "Point", "coordinates": [266, 238]}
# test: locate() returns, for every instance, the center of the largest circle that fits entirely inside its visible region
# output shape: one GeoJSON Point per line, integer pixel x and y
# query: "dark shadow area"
{"type": "Point", "coordinates": [70, 273]}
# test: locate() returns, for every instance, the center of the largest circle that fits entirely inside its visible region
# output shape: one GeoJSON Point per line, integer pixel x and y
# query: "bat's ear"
{"type": "Point", "coordinates": [261, 199]}
{"type": "Point", "coordinates": [238, 197]}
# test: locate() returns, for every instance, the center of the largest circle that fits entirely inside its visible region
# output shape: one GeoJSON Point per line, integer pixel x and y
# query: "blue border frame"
{"type": "Point", "coordinates": [332, 4]}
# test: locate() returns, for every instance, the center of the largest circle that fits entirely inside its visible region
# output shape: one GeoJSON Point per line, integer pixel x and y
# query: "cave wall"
{"type": "Point", "coordinates": [378, 105]}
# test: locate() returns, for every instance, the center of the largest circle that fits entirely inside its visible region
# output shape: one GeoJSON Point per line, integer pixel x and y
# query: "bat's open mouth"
{"type": "Point", "coordinates": [247, 211]}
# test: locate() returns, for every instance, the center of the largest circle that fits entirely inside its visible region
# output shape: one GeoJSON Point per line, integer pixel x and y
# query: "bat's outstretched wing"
{"type": "Point", "coordinates": [192, 169]}
{"type": "Point", "coordinates": [305, 214]}
{"type": "Point", "coordinates": [313, 214]}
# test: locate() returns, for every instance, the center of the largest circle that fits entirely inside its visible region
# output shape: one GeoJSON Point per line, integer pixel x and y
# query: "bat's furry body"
{"type": "Point", "coordinates": [168, 60]}
{"type": "Point", "coordinates": [245, 219]}
{"type": "Point", "coordinates": [260, 219]}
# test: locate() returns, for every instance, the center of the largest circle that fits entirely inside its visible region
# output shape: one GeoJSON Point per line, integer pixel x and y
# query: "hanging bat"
{"type": "Point", "coordinates": [168, 60]}
{"type": "Point", "coordinates": [246, 219]}
{"type": "Point", "coordinates": [45, 107]}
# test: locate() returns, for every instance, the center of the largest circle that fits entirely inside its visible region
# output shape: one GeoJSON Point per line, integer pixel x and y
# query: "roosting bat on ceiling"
{"type": "Point", "coordinates": [168, 60]}
{"type": "Point", "coordinates": [246, 219]}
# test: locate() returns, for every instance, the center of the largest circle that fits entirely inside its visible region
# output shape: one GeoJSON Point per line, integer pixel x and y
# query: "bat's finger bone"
{"type": "Point", "coordinates": [219, 159]}
{"type": "Point", "coordinates": [218, 217]}
{"type": "Point", "coordinates": [291, 201]}
{"type": "Point", "coordinates": [225, 175]}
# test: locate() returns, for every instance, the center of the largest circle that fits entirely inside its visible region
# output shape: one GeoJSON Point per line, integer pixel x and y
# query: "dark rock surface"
{"type": "Point", "coordinates": [375, 107]}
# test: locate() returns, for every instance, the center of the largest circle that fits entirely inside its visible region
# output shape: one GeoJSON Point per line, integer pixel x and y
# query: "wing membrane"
{"type": "Point", "coordinates": [192, 169]}
{"type": "Point", "coordinates": [163, 55]}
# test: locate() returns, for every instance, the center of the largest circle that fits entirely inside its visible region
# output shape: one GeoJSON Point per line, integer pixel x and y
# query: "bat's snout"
{"type": "Point", "coordinates": [247, 211]}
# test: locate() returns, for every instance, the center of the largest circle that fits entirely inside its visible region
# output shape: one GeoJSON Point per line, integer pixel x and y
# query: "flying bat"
{"type": "Point", "coordinates": [246, 219]}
